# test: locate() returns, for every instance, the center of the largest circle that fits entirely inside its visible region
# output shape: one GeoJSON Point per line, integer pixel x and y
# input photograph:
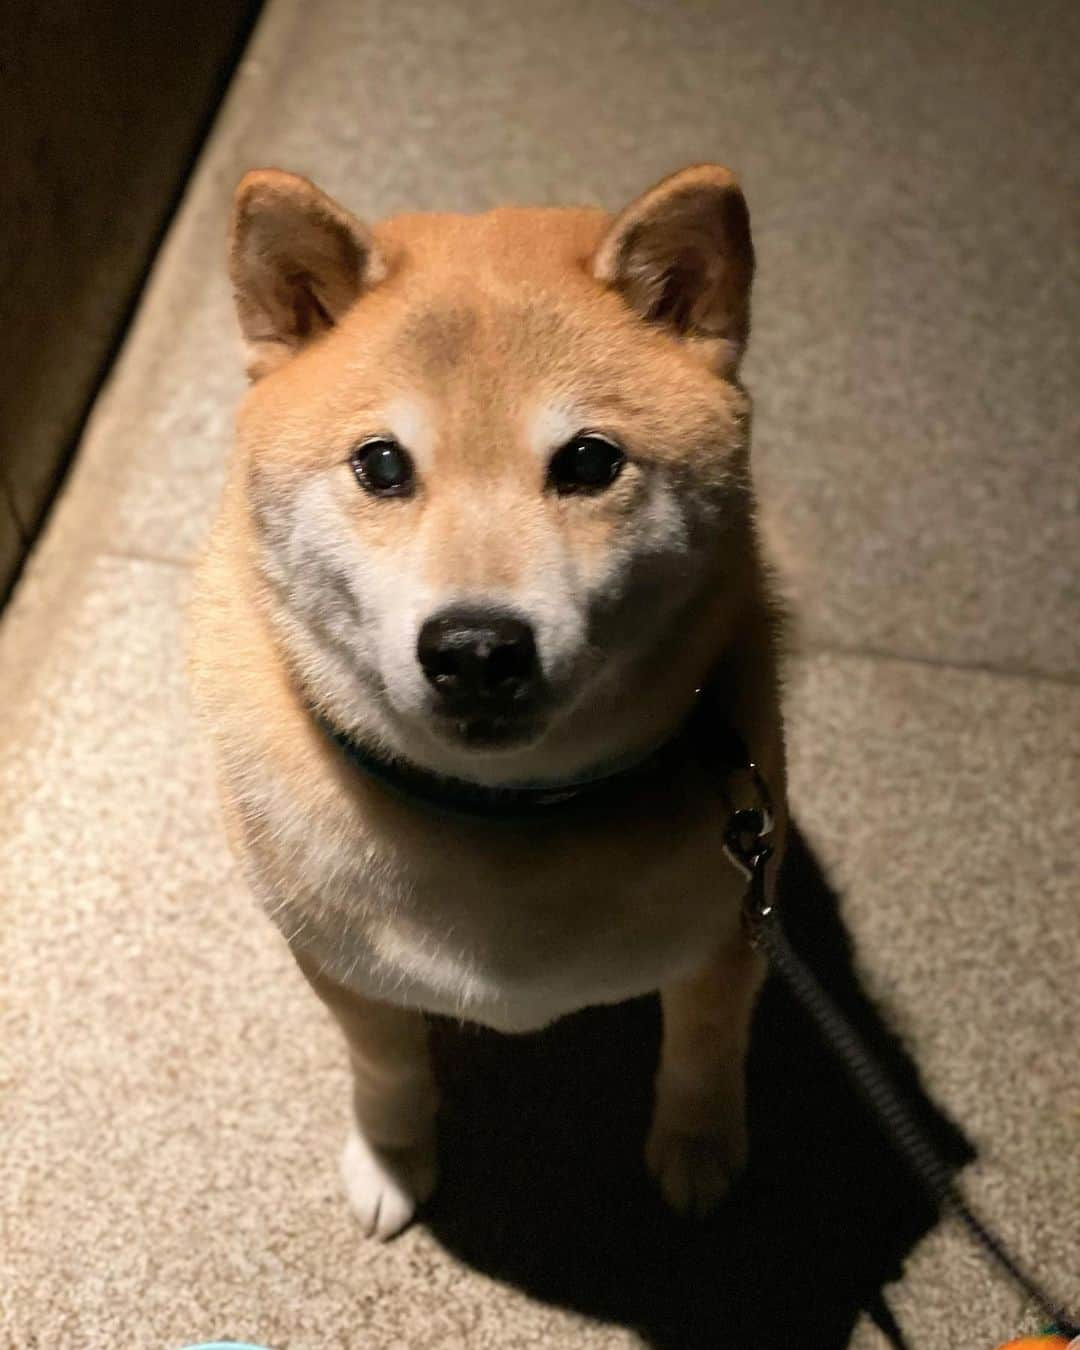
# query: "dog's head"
{"type": "Point", "coordinates": [496, 464]}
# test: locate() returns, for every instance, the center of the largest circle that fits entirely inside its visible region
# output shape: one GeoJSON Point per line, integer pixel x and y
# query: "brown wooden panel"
{"type": "Point", "coordinates": [104, 105]}
{"type": "Point", "coordinates": [11, 538]}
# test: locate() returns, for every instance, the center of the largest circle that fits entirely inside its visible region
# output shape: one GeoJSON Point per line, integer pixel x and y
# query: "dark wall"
{"type": "Point", "coordinates": [102, 110]}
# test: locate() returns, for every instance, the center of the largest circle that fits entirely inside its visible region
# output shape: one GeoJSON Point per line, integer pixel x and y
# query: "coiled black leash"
{"type": "Point", "coordinates": [747, 844]}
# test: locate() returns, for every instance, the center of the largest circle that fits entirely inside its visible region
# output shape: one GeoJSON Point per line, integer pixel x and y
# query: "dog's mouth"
{"type": "Point", "coordinates": [489, 732]}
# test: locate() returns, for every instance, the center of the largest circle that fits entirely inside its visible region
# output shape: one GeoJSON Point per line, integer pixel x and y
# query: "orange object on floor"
{"type": "Point", "coordinates": [1037, 1343]}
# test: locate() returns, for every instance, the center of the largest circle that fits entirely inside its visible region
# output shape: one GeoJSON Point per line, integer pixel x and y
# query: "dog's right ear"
{"type": "Point", "coordinates": [297, 261]}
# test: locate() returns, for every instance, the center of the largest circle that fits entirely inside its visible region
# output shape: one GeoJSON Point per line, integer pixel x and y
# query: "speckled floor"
{"type": "Point", "coordinates": [172, 1096]}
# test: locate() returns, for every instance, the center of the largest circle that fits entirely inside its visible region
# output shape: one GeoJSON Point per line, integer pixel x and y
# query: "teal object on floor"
{"type": "Point", "coordinates": [225, 1345]}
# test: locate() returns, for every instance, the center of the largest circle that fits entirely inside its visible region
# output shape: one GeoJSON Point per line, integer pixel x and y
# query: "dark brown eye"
{"type": "Point", "coordinates": [383, 468]}
{"type": "Point", "coordinates": [585, 464]}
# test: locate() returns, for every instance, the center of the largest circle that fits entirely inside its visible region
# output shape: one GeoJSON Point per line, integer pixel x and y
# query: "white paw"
{"type": "Point", "coordinates": [384, 1186]}
{"type": "Point", "coordinates": [694, 1171]}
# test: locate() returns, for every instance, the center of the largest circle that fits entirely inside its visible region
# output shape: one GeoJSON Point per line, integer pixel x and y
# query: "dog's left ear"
{"type": "Point", "coordinates": [681, 256]}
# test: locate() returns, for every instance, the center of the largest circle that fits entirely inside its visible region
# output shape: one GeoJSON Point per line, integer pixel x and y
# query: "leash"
{"type": "Point", "coordinates": [747, 843]}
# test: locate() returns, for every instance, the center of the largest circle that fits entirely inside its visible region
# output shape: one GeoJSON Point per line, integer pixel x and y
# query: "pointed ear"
{"type": "Point", "coordinates": [681, 256]}
{"type": "Point", "coordinates": [297, 262]}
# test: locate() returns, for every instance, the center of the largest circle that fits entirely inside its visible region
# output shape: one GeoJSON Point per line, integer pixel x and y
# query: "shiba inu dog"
{"type": "Point", "coordinates": [488, 531]}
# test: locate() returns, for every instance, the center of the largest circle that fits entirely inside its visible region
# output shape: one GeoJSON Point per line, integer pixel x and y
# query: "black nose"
{"type": "Point", "coordinates": [479, 661]}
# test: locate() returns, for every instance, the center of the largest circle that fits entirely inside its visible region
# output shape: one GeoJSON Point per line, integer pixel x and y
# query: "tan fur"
{"type": "Point", "coordinates": [479, 334]}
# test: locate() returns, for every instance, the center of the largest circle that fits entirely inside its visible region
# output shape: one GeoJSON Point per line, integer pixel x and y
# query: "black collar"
{"type": "Point", "coordinates": [702, 733]}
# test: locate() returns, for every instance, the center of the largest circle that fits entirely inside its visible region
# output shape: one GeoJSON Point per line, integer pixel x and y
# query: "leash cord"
{"type": "Point", "coordinates": [748, 847]}
{"type": "Point", "coordinates": [894, 1114]}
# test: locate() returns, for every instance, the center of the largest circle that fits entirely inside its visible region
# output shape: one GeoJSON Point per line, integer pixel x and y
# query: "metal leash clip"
{"type": "Point", "coordinates": [748, 847]}
{"type": "Point", "coordinates": [744, 792]}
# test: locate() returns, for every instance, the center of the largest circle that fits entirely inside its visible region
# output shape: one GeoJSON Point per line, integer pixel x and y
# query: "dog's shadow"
{"type": "Point", "coordinates": [543, 1184]}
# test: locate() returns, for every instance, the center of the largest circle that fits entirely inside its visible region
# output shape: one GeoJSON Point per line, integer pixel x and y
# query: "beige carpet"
{"type": "Point", "coordinates": [166, 1080]}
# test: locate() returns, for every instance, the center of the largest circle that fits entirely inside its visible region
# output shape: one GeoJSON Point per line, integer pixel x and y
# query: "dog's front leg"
{"type": "Point", "coordinates": [388, 1164]}
{"type": "Point", "coordinates": [698, 1142]}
